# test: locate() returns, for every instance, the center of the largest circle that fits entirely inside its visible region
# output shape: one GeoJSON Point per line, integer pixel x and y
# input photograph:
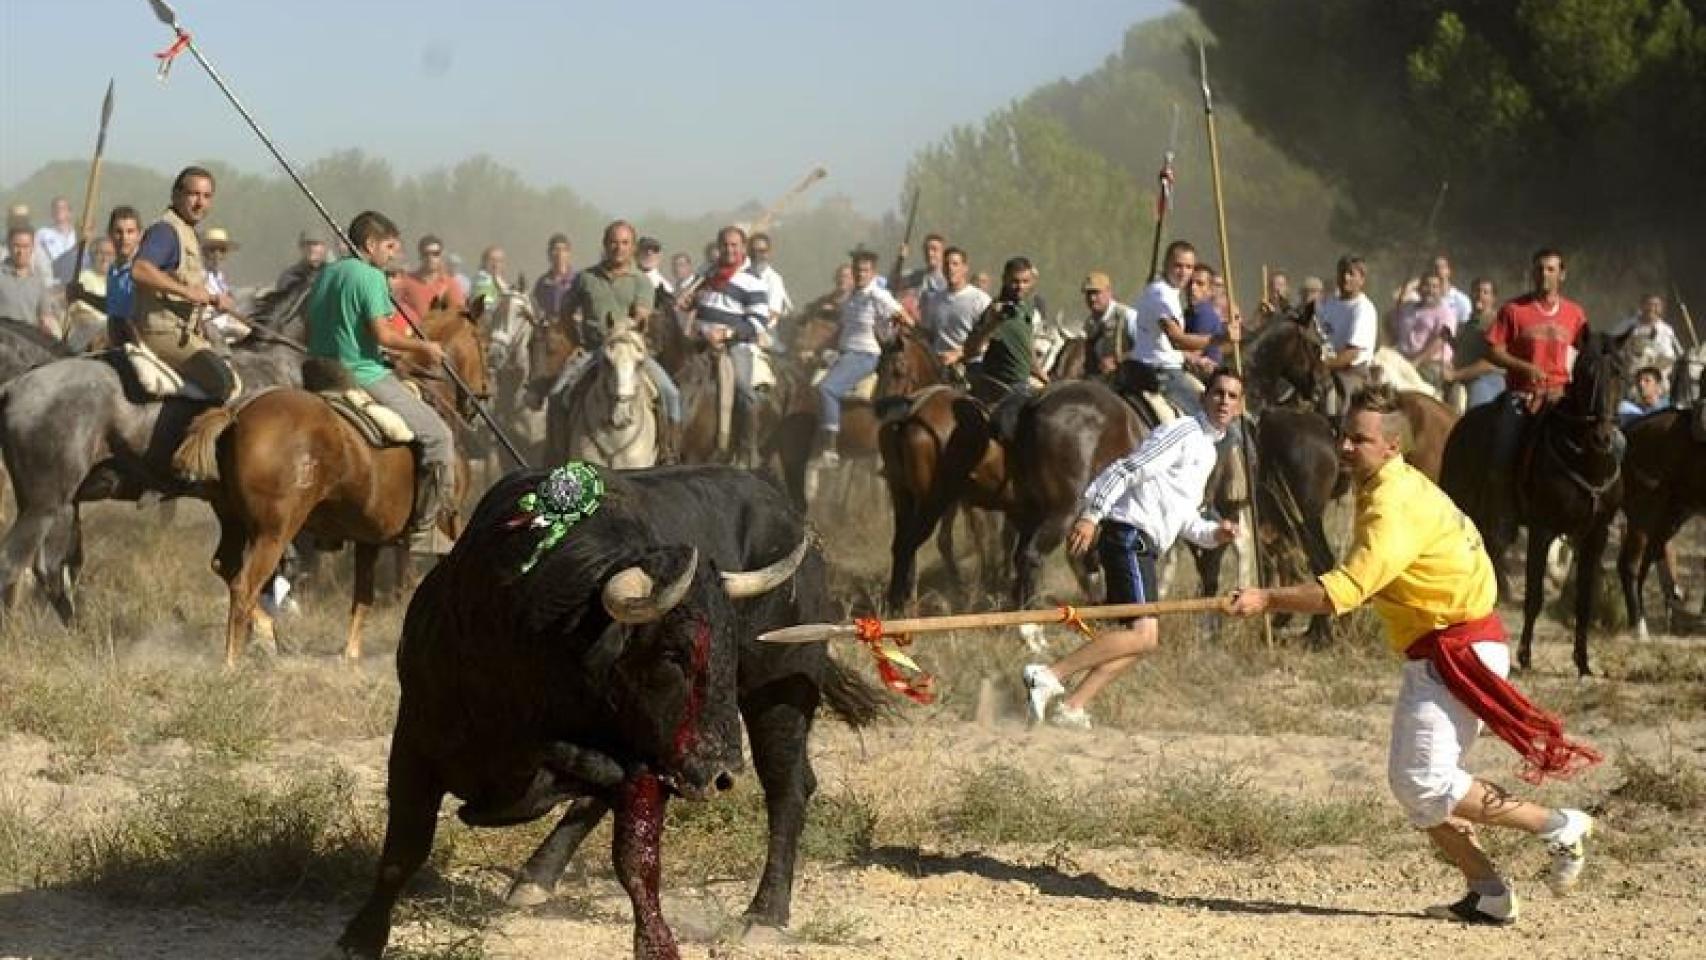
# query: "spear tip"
{"type": "Point", "coordinates": [107, 103]}
{"type": "Point", "coordinates": [164, 11]}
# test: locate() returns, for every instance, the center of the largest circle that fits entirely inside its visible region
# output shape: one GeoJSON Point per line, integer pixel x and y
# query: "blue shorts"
{"type": "Point", "coordinates": [1127, 555]}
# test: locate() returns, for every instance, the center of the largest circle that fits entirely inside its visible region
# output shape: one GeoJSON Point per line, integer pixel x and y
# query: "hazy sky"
{"type": "Point", "coordinates": [671, 105]}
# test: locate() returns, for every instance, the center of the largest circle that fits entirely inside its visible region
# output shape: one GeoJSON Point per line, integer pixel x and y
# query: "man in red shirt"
{"type": "Point", "coordinates": [431, 281]}
{"type": "Point", "coordinates": [1532, 340]}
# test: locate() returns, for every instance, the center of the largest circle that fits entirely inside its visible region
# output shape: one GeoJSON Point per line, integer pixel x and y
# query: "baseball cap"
{"type": "Point", "coordinates": [1097, 280]}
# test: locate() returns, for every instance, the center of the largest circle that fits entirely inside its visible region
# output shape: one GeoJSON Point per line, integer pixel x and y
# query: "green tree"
{"type": "Point", "coordinates": [1566, 122]}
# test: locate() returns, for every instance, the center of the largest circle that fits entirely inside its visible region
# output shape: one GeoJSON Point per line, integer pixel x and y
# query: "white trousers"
{"type": "Point", "coordinates": [1432, 731]}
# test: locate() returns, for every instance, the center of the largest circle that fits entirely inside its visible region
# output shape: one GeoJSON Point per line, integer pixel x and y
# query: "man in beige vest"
{"type": "Point", "coordinates": [171, 289]}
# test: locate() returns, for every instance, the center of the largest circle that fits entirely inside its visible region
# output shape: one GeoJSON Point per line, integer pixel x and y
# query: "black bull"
{"type": "Point", "coordinates": [522, 691]}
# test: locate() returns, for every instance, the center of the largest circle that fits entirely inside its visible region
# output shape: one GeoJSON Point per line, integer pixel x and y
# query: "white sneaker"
{"type": "Point", "coordinates": [1070, 718]}
{"type": "Point", "coordinates": [1500, 911]}
{"type": "Point", "coordinates": [1568, 849]}
{"type": "Point", "coordinates": [1041, 686]}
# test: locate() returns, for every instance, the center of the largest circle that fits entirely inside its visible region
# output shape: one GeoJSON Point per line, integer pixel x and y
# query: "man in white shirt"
{"type": "Point", "coordinates": [1459, 301]}
{"type": "Point", "coordinates": [867, 317]}
{"type": "Point", "coordinates": [950, 315]}
{"type": "Point", "coordinates": [650, 254]}
{"type": "Point", "coordinates": [58, 242]}
{"type": "Point", "coordinates": [1652, 342]}
{"type": "Point", "coordinates": [1105, 329]}
{"type": "Point", "coordinates": [1132, 512]}
{"type": "Point", "coordinates": [1351, 324]}
{"type": "Point", "coordinates": [1157, 336]}
{"type": "Point", "coordinates": [780, 304]}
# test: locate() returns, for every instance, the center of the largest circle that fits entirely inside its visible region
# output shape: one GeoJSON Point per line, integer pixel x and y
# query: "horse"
{"type": "Point", "coordinates": [610, 417]}
{"type": "Point", "coordinates": [286, 462]}
{"type": "Point", "coordinates": [76, 430]}
{"type": "Point", "coordinates": [1665, 481]}
{"type": "Point", "coordinates": [519, 349]}
{"type": "Point", "coordinates": [1298, 475]}
{"type": "Point", "coordinates": [1568, 481]}
{"type": "Point", "coordinates": [24, 346]}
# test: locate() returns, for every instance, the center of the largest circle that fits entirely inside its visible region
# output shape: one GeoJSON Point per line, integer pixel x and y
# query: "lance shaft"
{"type": "Point", "coordinates": [818, 632]}
{"type": "Point", "coordinates": [338, 231]}
{"type": "Point", "coordinates": [1246, 425]}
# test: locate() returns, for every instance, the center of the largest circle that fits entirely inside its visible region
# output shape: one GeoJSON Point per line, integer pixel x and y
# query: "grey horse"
{"type": "Point", "coordinates": [74, 431]}
{"type": "Point", "coordinates": [25, 345]}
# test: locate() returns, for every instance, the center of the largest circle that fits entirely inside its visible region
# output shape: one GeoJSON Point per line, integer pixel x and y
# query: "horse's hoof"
{"type": "Point", "coordinates": [525, 893]}
{"type": "Point", "coordinates": [761, 934]}
{"type": "Point", "coordinates": [1641, 634]}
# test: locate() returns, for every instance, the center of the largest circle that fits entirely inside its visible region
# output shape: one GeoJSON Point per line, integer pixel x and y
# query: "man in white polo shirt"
{"type": "Point", "coordinates": [1158, 338]}
{"type": "Point", "coordinates": [1351, 324]}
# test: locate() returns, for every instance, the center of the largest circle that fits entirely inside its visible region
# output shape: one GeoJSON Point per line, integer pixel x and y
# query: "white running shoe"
{"type": "Point", "coordinates": [1500, 911]}
{"type": "Point", "coordinates": [1568, 849]}
{"type": "Point", "coordinates": [1041, 686]}
{"type": "Point", "coordinates": [1070, 718]}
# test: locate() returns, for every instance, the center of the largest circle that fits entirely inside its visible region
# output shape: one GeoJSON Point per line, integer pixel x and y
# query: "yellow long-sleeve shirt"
{"type": "Point", "coordinates": [1415, 555]}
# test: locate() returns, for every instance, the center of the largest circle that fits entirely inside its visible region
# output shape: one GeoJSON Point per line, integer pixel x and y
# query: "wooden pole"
{"type": "Point", "coordinates": [1245, 425]}
{"type": "Point", "coordinates": [819, 632]}
{"type": "Point", "coordinates": [90, 192]}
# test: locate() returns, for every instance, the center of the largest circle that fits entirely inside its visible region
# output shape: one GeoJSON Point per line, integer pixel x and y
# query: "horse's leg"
{"type": "Point", "coordinates": [23, 544]}
{"type": "Point", "coordinates": [945, 547]}
{"type": "Point", "coordinates": [1027, 560]}
{"type": "Point", "coordinates": [1632, 575]}
{"type": "Point", "coordinates": [260, 555]}
{"type": "Point", "coordinates": [366, 558]}
{"type": "Point", "coordinates": [57, 560]}
{"type": "Point", "coordinates": [1534, 590]}
{"type": "Point", "coordinates": [1588, 554]}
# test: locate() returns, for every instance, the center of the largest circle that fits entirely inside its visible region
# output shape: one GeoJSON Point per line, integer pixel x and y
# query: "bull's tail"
{"type": "Point", "coordinates": [197, 458]}
{"type": "Point", "coordinates": [853, 699]}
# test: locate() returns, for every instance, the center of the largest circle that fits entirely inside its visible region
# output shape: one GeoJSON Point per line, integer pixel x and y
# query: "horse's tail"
{"type": "Point", "coordinates": [197, 458]}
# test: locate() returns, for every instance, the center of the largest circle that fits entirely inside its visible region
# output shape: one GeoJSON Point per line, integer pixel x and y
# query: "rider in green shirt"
{"type": "Point", "coordinates": [349, 312]}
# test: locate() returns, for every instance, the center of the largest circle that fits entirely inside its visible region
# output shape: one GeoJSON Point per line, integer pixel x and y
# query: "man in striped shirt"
{"type": "Point", "coordinates": [732, 310]}
{"type": "Point", "coordinates": [1141, 503]}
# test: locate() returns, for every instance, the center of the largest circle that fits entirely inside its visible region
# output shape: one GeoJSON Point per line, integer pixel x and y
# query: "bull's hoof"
{"type": "Point", "coordinates": [525, 893]}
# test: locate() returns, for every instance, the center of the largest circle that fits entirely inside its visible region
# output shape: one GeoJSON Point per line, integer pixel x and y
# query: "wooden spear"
{"type": "Point", "coordinates": [89, 194]}
{"type": "Point", "coordinates": [820, 632]}
{"type": "Point", "coordinates": [1232, 310]}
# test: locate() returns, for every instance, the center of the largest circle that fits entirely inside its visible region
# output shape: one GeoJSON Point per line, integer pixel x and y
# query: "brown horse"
{"type": "Point", "coordinates": [286, 462]}
{"type": "Point", "coordinates": [1665, 475]}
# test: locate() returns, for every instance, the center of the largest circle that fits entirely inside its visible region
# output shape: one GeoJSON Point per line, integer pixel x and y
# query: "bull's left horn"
{"type": "Point", "coordinates": [631, 596]}
{"type": "Point", "coordinates": [752, 583]}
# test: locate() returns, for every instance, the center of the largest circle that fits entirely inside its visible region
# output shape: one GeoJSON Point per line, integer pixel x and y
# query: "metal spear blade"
{"type": "Point", "coordinates": [1202, 68]}
{"type": "Point", "coordinates": [164, 11]}
{"type": "Point", "coordinates": [107, 105]}
{"type": "Point", "coordinates": [809, 633]}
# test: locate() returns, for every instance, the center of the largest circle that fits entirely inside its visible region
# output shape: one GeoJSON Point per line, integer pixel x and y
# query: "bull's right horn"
{"type": "Point", "coordinates": [632, 597]}
{"type": "Point", "coordinates": [752, 583]}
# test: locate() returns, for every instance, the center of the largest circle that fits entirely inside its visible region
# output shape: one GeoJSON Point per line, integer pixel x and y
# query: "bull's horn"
{"type": "Point", "coordinates": [752, 583]}
{"type": "Point", "coordinates": [632, 597]}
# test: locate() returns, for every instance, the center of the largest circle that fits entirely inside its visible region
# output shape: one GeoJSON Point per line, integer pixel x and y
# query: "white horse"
{"type": "Point", "coordinates": [513, 334]}
{"type": "Point", "coordinates": [611, 415]}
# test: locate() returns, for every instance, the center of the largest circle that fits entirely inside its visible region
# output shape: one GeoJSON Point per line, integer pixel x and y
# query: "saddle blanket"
{"type": "Point", "coordinates": [863, 390]}
{"type": "Point", "coordinates": [160, 382]}
{"type": "Point", "coordinates": [379, 425]}
{"type": "Point", "coordinates": [763, 373]}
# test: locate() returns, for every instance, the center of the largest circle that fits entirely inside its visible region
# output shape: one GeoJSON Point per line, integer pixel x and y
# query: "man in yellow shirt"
{"type": "Point", "coordinates": [1420, 561]}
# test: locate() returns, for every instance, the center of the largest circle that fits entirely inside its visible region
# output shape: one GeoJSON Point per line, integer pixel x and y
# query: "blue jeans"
{"type": "Point", "coordinates": [849, 369]}
{"type": "Point", "coordinates": [1182, 389]}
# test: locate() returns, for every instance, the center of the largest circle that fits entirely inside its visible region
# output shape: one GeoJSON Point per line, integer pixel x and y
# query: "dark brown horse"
{"type": "Point", "coordinates": [286, 462]}
{"type": "Point", "coordinates": [1664, 473]}
{"type": "Point", "coordinates": [1567, 482]}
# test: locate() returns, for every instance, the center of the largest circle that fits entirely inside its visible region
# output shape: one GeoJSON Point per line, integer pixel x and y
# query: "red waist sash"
{"type": "Point", "coordinates": [1533, 733]}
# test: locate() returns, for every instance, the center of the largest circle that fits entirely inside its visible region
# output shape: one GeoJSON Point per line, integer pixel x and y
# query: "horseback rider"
{"type": "Point", "coordinates": [1352, 327]}
{"type": "Point", "coordinates": [732, 311]}
{"type": "Point", "coordinates": [1106, 325]}
{"type": "Point", "coordinates": [950, 313]}
{"type": "Point", "coordinates": [867, 316]}
{"type": "Point", "coordinates": [1003, 336]}
{"type": "Point", "coordinates": [1531, 340]}
{"type": "Point", "coordinates": [1155, 362]}
{"type": "Point", "coordinates": [616, 289]}
{"type": "Point", "coordinates": [349, 310]}
{"type": "Point", "coordinates": [170, 285]}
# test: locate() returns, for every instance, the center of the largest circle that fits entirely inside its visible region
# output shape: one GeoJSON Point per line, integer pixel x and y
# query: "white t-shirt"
{"type": "Point", "coordinates": [949, 316]}
{"type": "Point", "coordinates": [1149, 343]}
{"type": "Point", "coordinates": [1350, 323]}
{"type": "Point", "coordinates": [865, 319]}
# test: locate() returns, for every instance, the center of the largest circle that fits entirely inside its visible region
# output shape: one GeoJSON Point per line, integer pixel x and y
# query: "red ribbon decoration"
{"type": "Point", "coordinates": [169, 54]}
{"type": "Point", "coordinates": [921, 690]}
